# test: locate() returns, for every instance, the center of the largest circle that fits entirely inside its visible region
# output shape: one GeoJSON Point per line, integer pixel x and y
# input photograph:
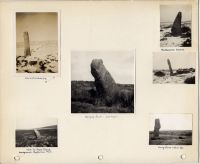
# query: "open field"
{"type": "Point", "coordinates": [27, 138]}
{"type": "Point", "coordinates": [85, 100]}
{"type": "Point", "coordinates": [171, 137]}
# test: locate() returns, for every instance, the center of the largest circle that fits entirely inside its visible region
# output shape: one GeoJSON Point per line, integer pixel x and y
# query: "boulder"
{"type": "Point", "coordinates": [159, 73]}
{"type": "Point", "coordinates": [186, 43]}
{"type": "Point", "coordinates": [176, 27]}
{"type": "Point", "coordinates": [190, 80]}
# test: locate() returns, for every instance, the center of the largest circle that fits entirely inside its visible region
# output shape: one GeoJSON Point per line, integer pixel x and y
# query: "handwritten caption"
{"type": "Point", "coordinates": [35, 78]}
{"type": "Point", "coordinates": [100, 116]}
{"type": "Point", "coordinates": [45, 79]}
{"type": "Point", "coordinates": [35, 151]}
{"type": "Point", "coordinates": [172, 49]}
{"type": "Point", "coordinates": [170, 147]}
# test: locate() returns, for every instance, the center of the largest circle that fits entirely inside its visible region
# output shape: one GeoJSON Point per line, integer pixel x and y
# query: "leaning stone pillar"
{"type": "Point", "coordinates": [170, 67]}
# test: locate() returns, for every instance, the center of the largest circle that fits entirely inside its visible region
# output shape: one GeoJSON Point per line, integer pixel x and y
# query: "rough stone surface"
{"type": "Point", "coordinates": [157, 127]}
{"type": "Point", "coordinates": [37, 134]}
{"type": "Point", "coordinates": [176, 28]}
{"type": "Point", "coordinates": [106, 87]}
{"type": "Point", "coordinates": [27, 51]}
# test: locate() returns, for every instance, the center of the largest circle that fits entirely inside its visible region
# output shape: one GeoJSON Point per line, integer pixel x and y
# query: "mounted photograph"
{"type": "Point", "coordinates": [36, 133]}
{"type": "Point", "coordinates": [175, 25]}
{"type": "Point", "coordinates": [177, 68]}
{"type": "Point", "coordinates": [37, 46]}
{"type": "Point", "coordinates": [170, 129]}
{"type": "Point", "coordinates": [102, 81]}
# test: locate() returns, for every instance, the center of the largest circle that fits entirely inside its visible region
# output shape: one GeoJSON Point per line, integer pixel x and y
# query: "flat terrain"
{"type": "Point", "coordinates": [27, 138]}
{"type": "Point", "coordinates": [84, 100]}
{"type": "Point", "coordinates": [178, 137]}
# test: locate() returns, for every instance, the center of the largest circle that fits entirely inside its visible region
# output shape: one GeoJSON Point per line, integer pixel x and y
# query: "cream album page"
{"type": "Point", "coordinates": [98, 81]}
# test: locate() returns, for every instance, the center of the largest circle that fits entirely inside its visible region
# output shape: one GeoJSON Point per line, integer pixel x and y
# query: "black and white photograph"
{"type": "Point", "coordinates": [175, 68]}
{"type": "Point", "coordinates": [175, 25]}
{"type": "Point", "coordinates": [102, 81]}
{"type": "Point", "coordinates": [36, 133]}
{"type": "Point", "coordinates": [170, 129]}
{"type": "Point", "coordinates": [37, 46]}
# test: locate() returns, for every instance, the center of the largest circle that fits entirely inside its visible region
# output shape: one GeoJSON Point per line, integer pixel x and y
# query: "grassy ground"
{"type": "Point", "coordinates": [84, 99]}
{"type": "Point", "coordinates": [182, 137]}
{"type": "Point", "coordinates": [27, 138]}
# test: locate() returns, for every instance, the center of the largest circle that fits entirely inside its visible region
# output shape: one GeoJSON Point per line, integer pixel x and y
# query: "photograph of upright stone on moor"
{"type": "Point", "coordinates": [36, 133]}
{"type": "Point", "coordinates": [177, 68]}
{"type": "Point", "coordinates": [170, 129]}
{"type": "Point", "coordinates": [36, 42]}
{"type": "Point", "coordinates": [102, 81]}
{"type": "Point", "coordinates": [175, 25]}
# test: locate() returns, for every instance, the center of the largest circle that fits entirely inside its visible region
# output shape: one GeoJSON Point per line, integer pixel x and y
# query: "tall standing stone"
{"type": "Point", "coordinates": [37, 134]}
{"type": "Point", "coordinates": [157, 127]}
{"type": "Point", "coordinates": [27, 51]}
{"type": "Point", "coordinates": [170, 67]}
{"type": "Point", "coordinates": [176, 27]}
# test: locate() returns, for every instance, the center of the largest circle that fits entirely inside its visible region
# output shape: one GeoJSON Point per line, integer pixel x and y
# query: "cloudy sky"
{"type": "Point", "coordinates": [42, 26]}
{"type": "Point", "coordinates": [177, 61]}
{"type": "Point", "coordinates": [172, 121]}
{"type": "Point", "coordinates": [119, 63]}
{"type": "Point", "coordinates": [168, 13]}
{"type": "Point", "coordinates": [35, 123]}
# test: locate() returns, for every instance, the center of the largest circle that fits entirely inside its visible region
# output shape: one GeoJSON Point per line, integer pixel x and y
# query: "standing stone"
{"type": "Point", "coordinates": [27, 51]}
{"type": "Point", "coordinates": [176, 27]}
{"type": "Point", "coordinates": [37, 134]}
{"type": "Point", "coordinates": [106, 87]}
{"type": "Point", "coordinates": [104, 83]}
{"type": "Point", "coordinates": [157, 127]}
{"type": "Point", "coordinates": [170, 67]}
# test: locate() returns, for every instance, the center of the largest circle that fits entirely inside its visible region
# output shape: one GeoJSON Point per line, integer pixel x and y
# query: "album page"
{"type": "Point", "coordinates": [99, 81]}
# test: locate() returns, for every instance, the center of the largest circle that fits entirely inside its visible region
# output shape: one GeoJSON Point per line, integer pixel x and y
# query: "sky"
{"type": "Point", "coordinates": [35, 123]}
{"type": "Point", "coordinates": [168, 13]}
{"type": "Point", "coordinates": [177, 61]}
{"type": "Point", "coordinates": [120, 64]}
{"type": "Point", "coordinates": [172, 121]}
{"type": "Point", "coordinates": [42, 26]}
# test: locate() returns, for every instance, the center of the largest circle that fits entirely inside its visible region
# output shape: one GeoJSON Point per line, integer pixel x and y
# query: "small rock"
{"type": "Point", "coordinates": [159, 73]}
{"type": "Point", "coordinates": [190, 80]}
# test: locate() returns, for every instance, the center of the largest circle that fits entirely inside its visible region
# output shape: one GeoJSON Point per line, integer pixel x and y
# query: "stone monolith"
{"type": "Point", "coordinates": [27, 51]}
{"type": "Point", "coordinates": [157, 127]}
{"type": "Point", "coordinates": [176, 27]}
{"type": "Point", "coordinates": [170, 67]}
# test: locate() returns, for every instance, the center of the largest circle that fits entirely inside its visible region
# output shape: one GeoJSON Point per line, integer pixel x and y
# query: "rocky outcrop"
{"type": "Point", "coordinates": [176, 27]}
{"type": "Point", "coordinates": [106, 87]}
